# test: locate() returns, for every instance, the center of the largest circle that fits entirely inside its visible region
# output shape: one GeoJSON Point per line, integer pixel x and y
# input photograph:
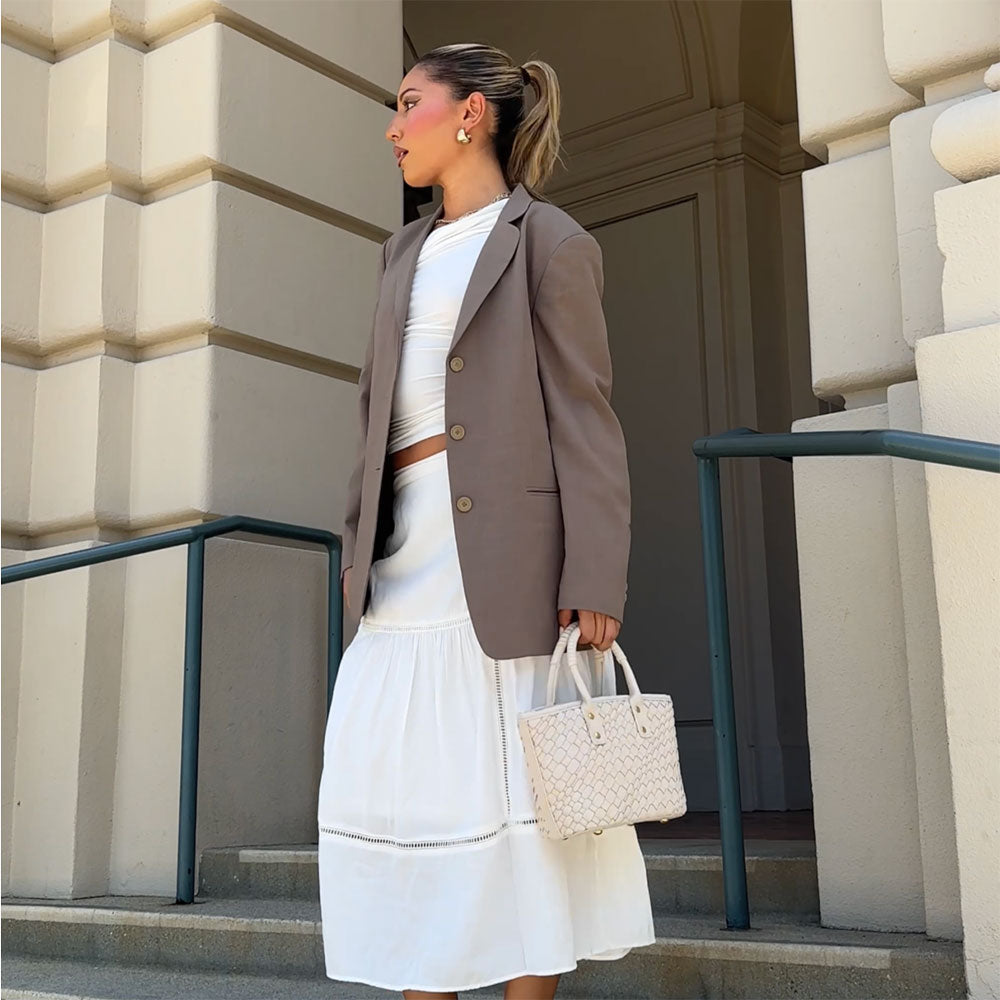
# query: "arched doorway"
{"type": "Point", "coordinates": [683, 161]}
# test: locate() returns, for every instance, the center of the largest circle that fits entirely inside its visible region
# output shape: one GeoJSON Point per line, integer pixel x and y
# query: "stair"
{"type": "Point", "coordinates": [685, 876]}
{"type": "Point", "coordinates": [254, 931]}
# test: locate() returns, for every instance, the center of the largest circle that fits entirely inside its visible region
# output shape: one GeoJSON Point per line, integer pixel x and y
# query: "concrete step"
{"type": "Point", "coordinates": [59, 979]}
{"type": "Point", "coordinates": [685, 876]}
{"type": "Point", "coordinates": [693, 956]}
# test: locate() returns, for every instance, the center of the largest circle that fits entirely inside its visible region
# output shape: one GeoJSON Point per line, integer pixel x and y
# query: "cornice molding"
{"type": "Point", "coordinates": [660, 143]}
{"type": "Point", "coordinates": [144, 39]}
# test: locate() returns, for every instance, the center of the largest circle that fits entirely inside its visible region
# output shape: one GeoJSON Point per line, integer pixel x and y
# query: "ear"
{"type": "Point", "coordinates": [476, 109]}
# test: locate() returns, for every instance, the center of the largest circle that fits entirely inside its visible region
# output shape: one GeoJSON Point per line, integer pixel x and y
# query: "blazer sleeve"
{"type": "Point", "coordinates": [588, 445]}
{"type": "Point", "coordinates": [353, 507]}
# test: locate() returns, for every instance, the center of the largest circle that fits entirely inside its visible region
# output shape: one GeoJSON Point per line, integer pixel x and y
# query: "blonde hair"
{"type": "Point", "coordinates": [526, 143]}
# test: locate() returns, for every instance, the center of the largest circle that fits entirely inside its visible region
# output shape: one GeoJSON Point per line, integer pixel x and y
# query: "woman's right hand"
{"type": "Point", "coordinates": [347, 577]}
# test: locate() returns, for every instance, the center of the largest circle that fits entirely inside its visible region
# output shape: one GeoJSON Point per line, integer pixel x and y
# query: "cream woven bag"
{"type": "Point", "coordinates": [601, 762]}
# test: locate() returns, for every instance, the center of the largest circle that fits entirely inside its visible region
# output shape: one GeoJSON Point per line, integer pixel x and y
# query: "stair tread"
{"type": "Point", "coordinates": [754, 850]}
{"type": "Point", "coordinates": [672, 930]}
{"type": "Point", "coordinates": [61, 979]}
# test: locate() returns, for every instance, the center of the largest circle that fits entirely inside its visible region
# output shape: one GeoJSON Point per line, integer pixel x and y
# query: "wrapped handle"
{"type": "Point", "coordinates": [568, 639]}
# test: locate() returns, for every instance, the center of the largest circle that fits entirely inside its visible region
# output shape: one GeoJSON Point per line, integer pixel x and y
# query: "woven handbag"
{"type": "Point", "coordinates": [601, 762]}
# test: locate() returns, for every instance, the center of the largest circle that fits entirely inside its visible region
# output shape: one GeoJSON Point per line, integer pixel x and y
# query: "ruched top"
{"type": "Point", "coordinates": [444, 265]}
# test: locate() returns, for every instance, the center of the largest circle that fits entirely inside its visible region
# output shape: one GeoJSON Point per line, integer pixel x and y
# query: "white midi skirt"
{"type": "Point", "coordinates": [433, 874]}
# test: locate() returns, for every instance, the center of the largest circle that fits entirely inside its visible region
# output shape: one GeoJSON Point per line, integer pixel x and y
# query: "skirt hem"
{"type": "Point", "coordinates": [382, 985]}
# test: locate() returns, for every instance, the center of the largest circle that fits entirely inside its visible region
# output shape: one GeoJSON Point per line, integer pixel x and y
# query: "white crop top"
{"type": "Point", "coordinates": [444, 266]}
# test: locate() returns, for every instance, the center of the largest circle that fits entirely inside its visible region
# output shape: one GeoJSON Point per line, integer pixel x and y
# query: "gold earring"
{"type": "Point", "coordinates": [463, 136]}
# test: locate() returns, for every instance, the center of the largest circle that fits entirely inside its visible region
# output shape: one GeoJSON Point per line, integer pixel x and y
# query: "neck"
{"type": "Point", "coordinates": [472, 193]}
{"type": "Point", "coordinates": [444, 220]}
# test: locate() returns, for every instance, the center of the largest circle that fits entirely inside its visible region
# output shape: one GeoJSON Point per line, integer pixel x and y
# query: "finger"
{"type": "Point", "coordinates": [595, 626]}
{"type": "Point", "coordinates": [586, 628]}
{"type": "Point", "coordinates": [615, 629]}
{"type": "Point", "coordinates": [600, 631]}
{"type": "Point", "coordinates": [565, 616]}
{"type": "Point", "coordinates": [611, 631]}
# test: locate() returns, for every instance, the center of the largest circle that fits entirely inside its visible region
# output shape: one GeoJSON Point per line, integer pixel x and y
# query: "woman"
{"type": "Point", "coordinates": [488, 507]}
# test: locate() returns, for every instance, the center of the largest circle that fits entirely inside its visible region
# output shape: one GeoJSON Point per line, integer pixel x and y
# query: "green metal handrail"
{"type": "Point", "coordinates": [747, 443]}
{"type": "Point", "coordinates": [194, 537]}
{"type": "Point", "coordinates": [740, 443]}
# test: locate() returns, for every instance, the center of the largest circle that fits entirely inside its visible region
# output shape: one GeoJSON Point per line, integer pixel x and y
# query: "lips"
{"type": "Point", "coordinates": [400, 156]}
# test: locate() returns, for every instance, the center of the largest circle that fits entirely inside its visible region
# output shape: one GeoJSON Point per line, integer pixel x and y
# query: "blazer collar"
{"type": "Point", "coordinates": [493, 258]}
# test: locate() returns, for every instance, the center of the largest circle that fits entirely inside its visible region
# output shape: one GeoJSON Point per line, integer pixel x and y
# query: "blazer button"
{"type": "Point", "coordinates": [457, 432]}
{"type": "Point", "coordinates": [463, 504]}
{"type": "Point", "coordinates": [456, 364]}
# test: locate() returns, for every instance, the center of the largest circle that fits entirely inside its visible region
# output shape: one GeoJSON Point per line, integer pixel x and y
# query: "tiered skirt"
{"type": "Point", "coordinates": [433, 874]}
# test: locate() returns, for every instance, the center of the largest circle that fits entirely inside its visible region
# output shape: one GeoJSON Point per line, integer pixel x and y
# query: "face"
{"type": "Point", "coordinates": [426, 123]}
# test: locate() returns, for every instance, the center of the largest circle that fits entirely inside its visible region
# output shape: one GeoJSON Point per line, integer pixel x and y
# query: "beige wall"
{"type": "Point", "coordinates": [899, 562]}
{"type": "Point", "coordinates": [194, 196]}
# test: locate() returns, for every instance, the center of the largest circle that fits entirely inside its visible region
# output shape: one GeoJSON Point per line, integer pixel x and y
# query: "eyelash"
{"type": "Point", "coordinates": [407, 103]}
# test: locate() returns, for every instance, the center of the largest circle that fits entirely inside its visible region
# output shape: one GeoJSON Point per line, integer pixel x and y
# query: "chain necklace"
{"type": "Point", "coordinates": [445, 222]}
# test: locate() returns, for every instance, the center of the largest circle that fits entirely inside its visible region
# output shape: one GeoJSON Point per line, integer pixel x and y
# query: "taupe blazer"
{"type": "Point", "coordinates": [541, 500]}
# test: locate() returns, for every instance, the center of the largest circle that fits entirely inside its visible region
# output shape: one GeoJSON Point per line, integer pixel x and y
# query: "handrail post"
{"type": "Point", "coordinates": [190, 720]}
{"type": "Point", "coordinates": [734, 869]}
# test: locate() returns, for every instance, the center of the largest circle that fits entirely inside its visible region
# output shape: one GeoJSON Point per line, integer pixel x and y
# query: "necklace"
{"type": "Point", "coordinates": [445, 222]}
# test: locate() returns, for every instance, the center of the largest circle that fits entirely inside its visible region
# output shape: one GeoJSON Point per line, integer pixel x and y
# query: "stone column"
{"type": "Point", "coordinates": [872, 78]}
{"type": "Point", "coordinates": [958, 373]}
{"type": "Point", "coordinates": [194, 201]}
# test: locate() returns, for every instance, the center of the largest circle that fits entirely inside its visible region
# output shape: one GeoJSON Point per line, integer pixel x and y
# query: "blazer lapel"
{"type": "Point", "coordinates": [496, 253]}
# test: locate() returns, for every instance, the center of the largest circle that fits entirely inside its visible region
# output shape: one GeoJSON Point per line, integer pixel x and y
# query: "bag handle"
{"type": "Point", "coordinates": [568, 639]}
